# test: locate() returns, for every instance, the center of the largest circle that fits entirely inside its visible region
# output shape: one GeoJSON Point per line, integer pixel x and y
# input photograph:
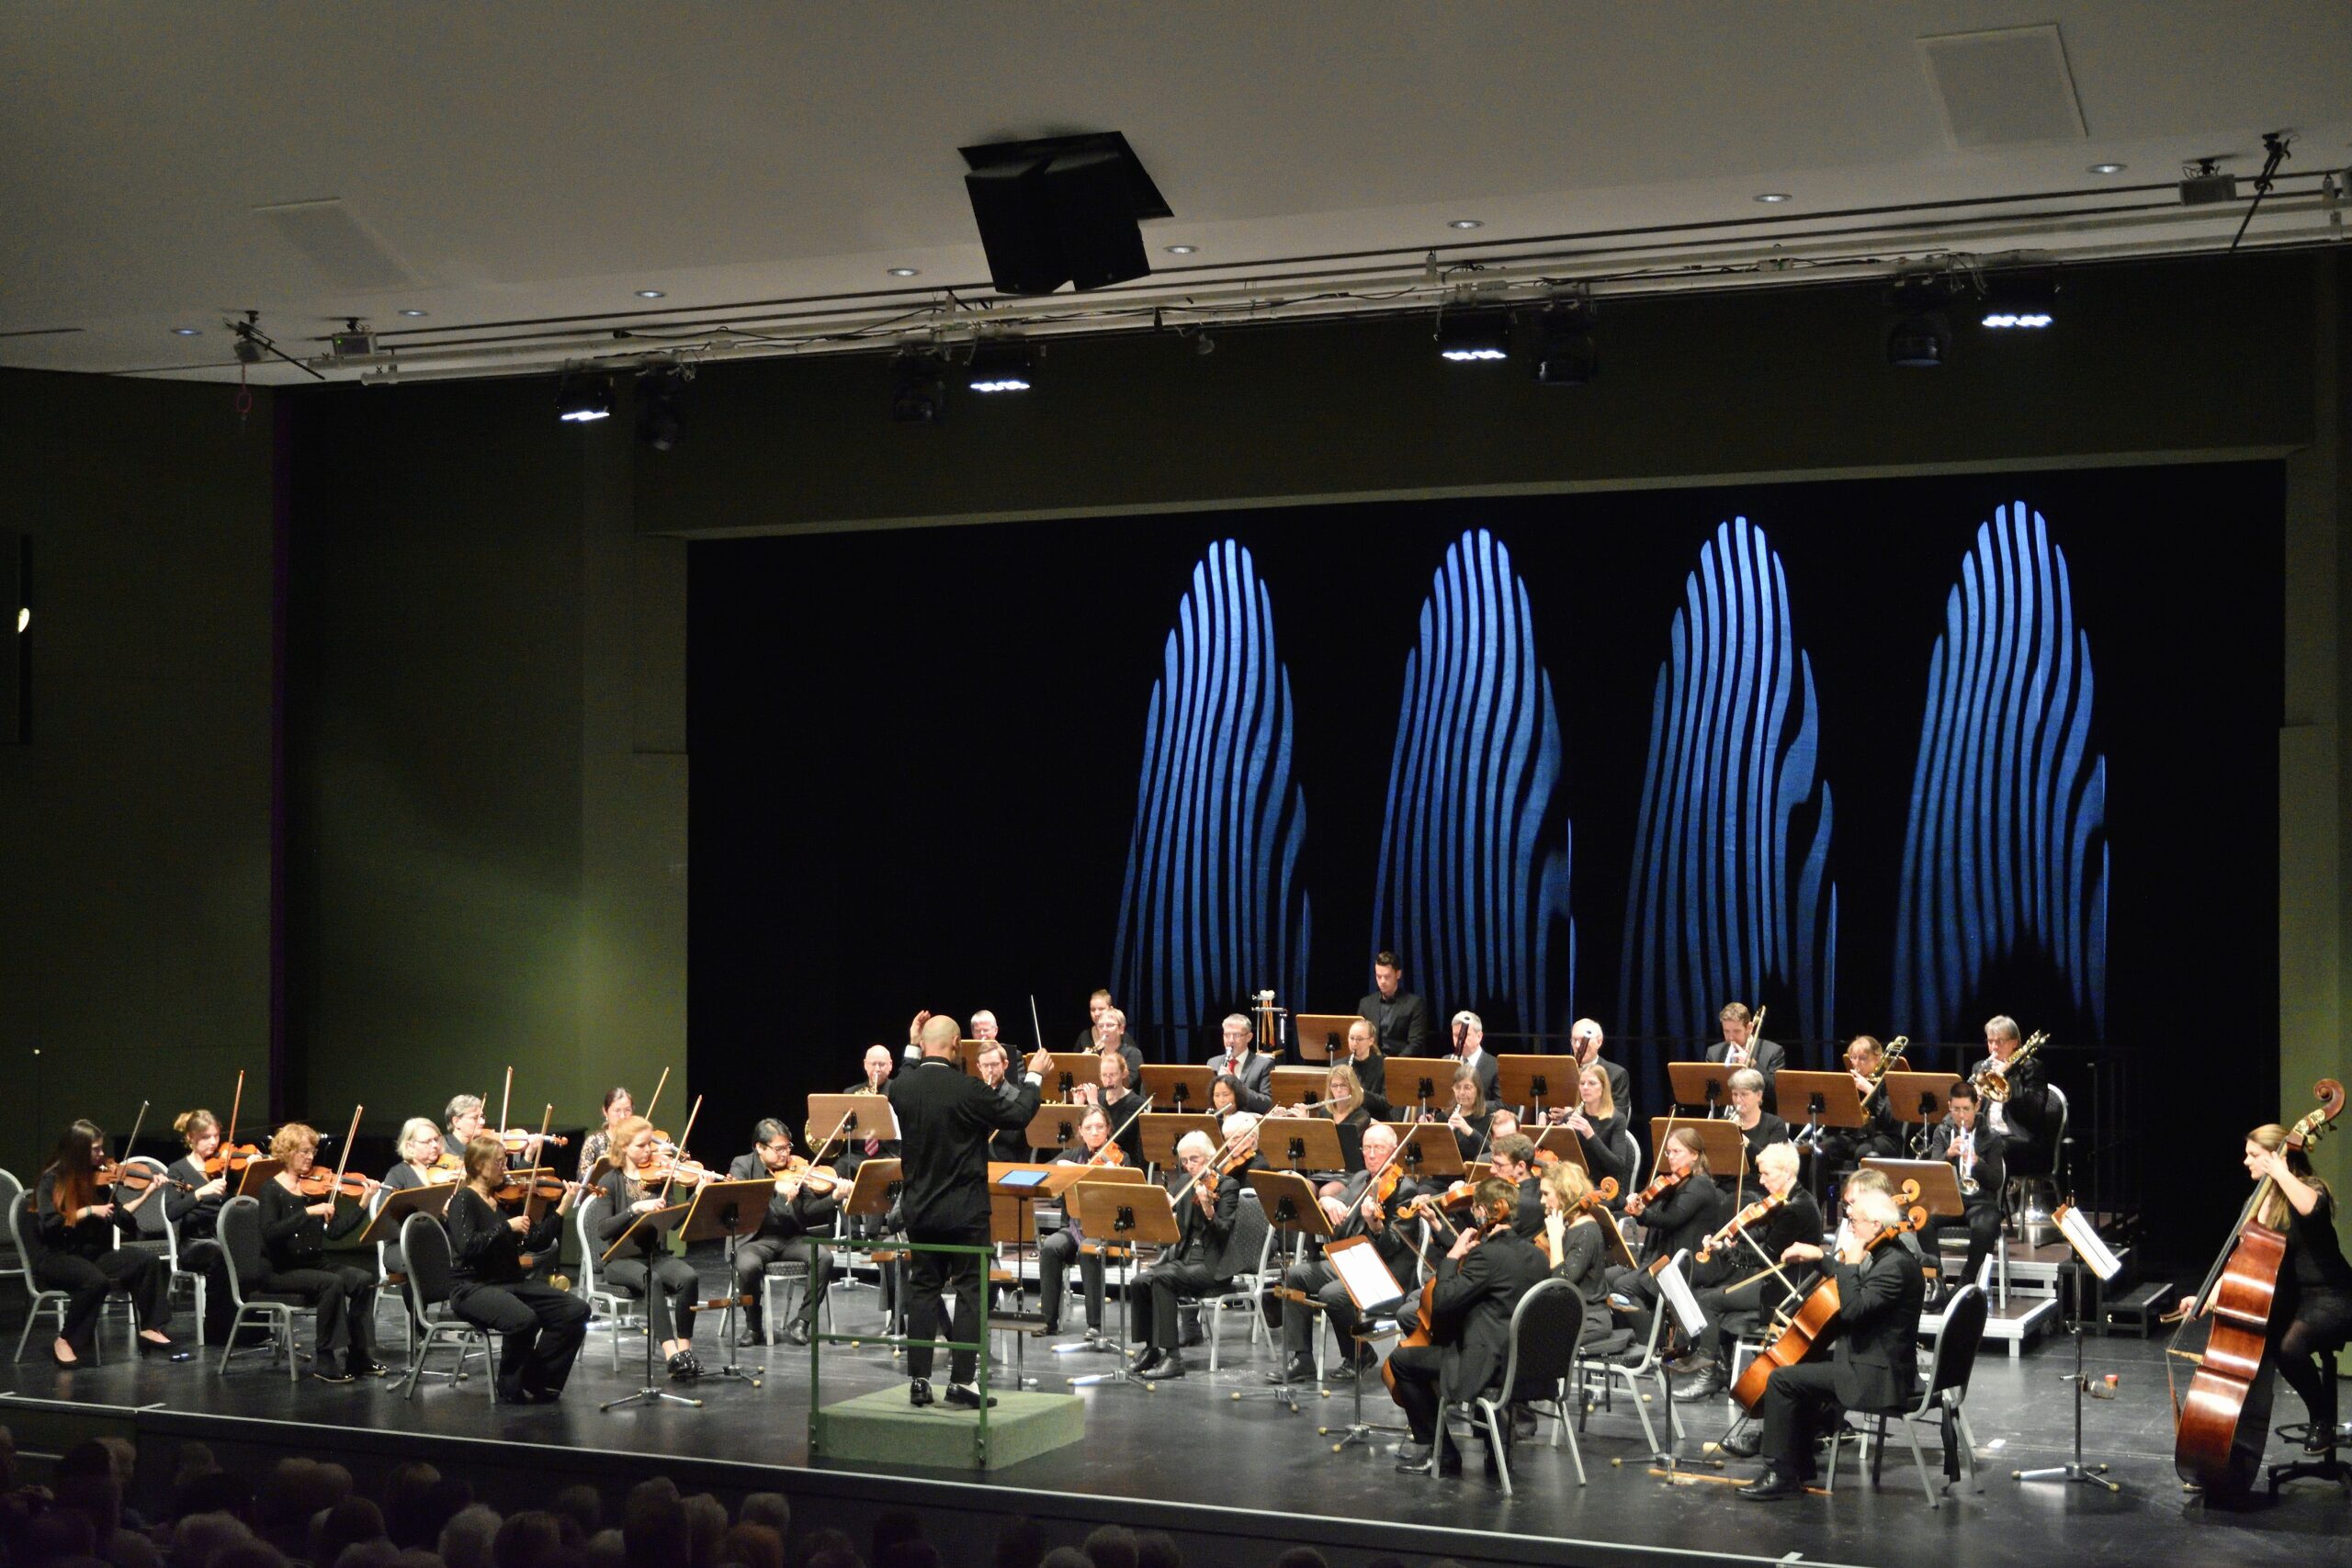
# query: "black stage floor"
{"type": "Point", "coordinates": [1191, 1456]}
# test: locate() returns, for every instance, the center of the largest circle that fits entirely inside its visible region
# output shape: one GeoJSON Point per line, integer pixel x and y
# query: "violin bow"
{"type": "Point", "coordinates": [506, 1100]}
{"type": "Point", "coordinates": [648, 1112]}
{"type": "Point", "coordinates": [137, 1122]}
{"type": "Point", "coordinates": [237, 1101]}
{"type": "Point", "coordinates": [343, 1162]}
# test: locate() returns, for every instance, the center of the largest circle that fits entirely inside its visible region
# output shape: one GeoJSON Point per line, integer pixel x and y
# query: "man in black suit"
{"type": "Point", "coordinates": [944, 1119]}
{"type": "Point", "coordinates": [1979, 1155]}
{"type": "Point", "coordinates": [1402, 1018]}
{"type": "Point", "coordinates": [1584, 1039]}
{"type": "Point", "coordinates": [1205, 1208]}
{"type": "Point", "coordinates": [2022, 1116]}
{"type": "Point", "coordinates": [1479, 1284]}
{"type": "Point", "coordinates": [1742, 1047]}
{"type": "Point", "coordinates": [1512, 1159]}
{"type": "Point", "coordinates": [1010, 1144]}
{"type": "Point", "coordinates": [1873, 1365]}
{"type": "Point", "coordinates": [1252, 1069]}
{"type": "Point", "coordinates": [1354, 1211]}
{"type": "Point", "coordinates": [794, 1213]}
{"type": "Point", "coordinates": [1470, 1051]}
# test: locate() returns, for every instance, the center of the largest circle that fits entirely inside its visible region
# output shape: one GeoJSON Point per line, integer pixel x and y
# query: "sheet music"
{"type": "Point", "coordinates": [1365, 1274]}
{"type": "Point", "coordinates": [2076, 1227]}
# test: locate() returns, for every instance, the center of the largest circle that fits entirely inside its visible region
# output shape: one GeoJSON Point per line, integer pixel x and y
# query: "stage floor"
{"type": "Point", "coordinates": [1192, 1443]}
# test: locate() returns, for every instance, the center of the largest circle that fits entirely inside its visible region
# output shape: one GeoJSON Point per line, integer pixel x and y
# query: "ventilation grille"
{"type": "Point", "coordinates": [2004, 89]}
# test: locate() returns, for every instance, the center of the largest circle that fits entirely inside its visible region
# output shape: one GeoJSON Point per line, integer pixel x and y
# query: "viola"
{"type": "Point", "coordinates": [817, 1178]}
{"type": "Point", "coordinates": [1814, 1322]}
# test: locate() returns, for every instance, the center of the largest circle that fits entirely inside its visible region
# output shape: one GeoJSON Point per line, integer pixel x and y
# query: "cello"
{"type": "Point", "coordinates": [2221, 1428]}
{"type": "Point", "coordinates": [1814, 1321]}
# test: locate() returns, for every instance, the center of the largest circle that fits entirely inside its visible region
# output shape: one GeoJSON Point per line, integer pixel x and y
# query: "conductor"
{"type": "Point", "coordinates": [945, 1119]}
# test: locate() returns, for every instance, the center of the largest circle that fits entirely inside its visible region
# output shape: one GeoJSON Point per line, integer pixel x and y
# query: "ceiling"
{"type": "Point", "coordinates": [518, 171]}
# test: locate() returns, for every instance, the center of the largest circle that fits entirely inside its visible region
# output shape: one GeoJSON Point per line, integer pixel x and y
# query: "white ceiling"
{"type": "Point", "coordinates": [526, 159]}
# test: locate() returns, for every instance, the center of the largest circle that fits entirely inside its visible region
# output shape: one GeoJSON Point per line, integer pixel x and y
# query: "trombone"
{"type": "Point", "coordinates": [1992, 1079]}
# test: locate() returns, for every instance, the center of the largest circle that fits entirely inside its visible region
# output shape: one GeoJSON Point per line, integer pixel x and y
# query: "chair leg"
{"type": "Point", "coordinates": [31, 1317]}
{"type": "Point", "coordinates": [1633, 1398]}
{"type": "Point", "coordinates": [293, 1360]}
{"type": "Point", "coordinates": [1495, 1444]}
{"type": "Point", "coordinates": [1911, 1436]}
{"type": "Point", "coordinates": [419, 1347]}
{"type": "Point", "coordinates": [1830, 1480]}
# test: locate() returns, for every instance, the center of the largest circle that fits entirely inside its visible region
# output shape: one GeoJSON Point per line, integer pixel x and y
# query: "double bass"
{"type": "Point", "coordinates": [2221, 1428]}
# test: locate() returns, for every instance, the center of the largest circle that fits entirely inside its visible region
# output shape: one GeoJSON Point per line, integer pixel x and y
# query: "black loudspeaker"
{"type": "Point", "coordinates": [1063, 209]}
{"type": "Point", "coordinates": [13, 630]}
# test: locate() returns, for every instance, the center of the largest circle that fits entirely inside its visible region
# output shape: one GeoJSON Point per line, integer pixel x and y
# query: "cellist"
{"type": "Point", "coordinates": [1477, 1286]}
{"type": "Point", "coordinates": [2313, 1317]}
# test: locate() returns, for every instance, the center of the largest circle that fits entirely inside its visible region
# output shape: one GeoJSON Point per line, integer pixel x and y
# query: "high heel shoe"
{"type": "Point", "coordinates": [68, 1365]}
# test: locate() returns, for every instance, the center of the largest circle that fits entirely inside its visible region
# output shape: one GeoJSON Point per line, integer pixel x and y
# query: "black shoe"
{"type": "Point", "coordinates": [1412, 1459]}
{"type": "Point", "coordinates": [1297, 1369]}
{"type": "Point", "coordinates": [1522, 1426]}
{"type": "Point", "coordinates": [1772, 1487]}
{"type": "Point", "coordinates": [60, 1360]}
{"type": "Point", "coordinates": [1170, 1365]}
{"type": "Point", "coordinates": [683, 1365]}
{"type": "Point", "coordinates": [748, 1336]}
{"type": "Point", "coordinates": [1367, 1358]}
{"type": "Point", "coordinates": [513, 1397]}
{"type": "Point", "coordinates": [919, 1392]}
{"type": "Point", "coordinates": [795, 1334]}
{"type": "Point", "coordinates": [1710, 1383]}
{"type": "Point", "coordinates": [332, 1374]}
{"type": "Point", "coordinates": [369, 1368]}
{"type": "Point", "coordinates": [152, 1347]}
{"type": "Point", "coordinates": [968, 1396]}
{"type": "Point", "coordinates": [2321, 1444]}
{"type": "Point", "coordinates": [1740, 1445]}
{"type": "Point", "coordinates": [1451, 1465]}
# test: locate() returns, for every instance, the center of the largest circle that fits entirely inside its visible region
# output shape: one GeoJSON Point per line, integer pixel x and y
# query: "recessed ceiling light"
{"type": "Point", "coordinates": [186, 332]}
{"type": "Point", "coordinates": [651, 294]}
{"type": "Point", "coordinates": [412, 312]}
{"type": "Point", "coordinates": [1467, 223]}
{"type": "Point", "coordinates": [2109, 168]}
{"type": "Point", "coordinates": [1181, 250]}
{"type": "Point", "coordinates": [906, 272]}
{"type": "Point", "coordinates": [1772, 197]}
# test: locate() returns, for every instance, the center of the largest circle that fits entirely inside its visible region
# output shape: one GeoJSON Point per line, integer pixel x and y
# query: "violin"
{"type": "Point", "coordinates": [230, 1158]}
{"type": "Point", "coordinates": [1814, 1322]}
{"type": "Point", "coordinates": [1110, 1153]}
{"type": "Point", "coordinates": [138, 1177]}
{"type": "Point", "coordinates": [544, 1187]}
{"type": "Point", "coordinates": [1739, 1222]}
{"type": "Point", "coordinates": [515, 1140]}
{"type": "Point", "coordinates": [817, 1179]}
{"type": "Point", "coordinates": [1660, 1185]}
{"type": "Point", "coordinates": [320, 1182]}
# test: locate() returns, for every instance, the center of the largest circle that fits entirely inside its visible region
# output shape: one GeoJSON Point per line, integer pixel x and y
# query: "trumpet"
{"type": "Point", "coordinates": [1992, 1080]}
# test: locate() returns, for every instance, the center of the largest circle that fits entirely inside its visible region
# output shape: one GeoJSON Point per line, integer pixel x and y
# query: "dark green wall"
{"type": "Point", "coordinates": [135, 820]}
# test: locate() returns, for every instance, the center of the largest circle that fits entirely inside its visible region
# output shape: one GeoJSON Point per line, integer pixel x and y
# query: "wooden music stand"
{"type": "Point", "coordinates": [1538, 1082]}
{"type": "Point", "coordinates": [1920, 1098]}
{"type": "Point", "coordinates": [968, 1056]}
{"type": "Point", "coordinates": [1700, 1083]}
{"type": "Point", "coordinates": [398, 1205]}
{"type": "Point", "coordinates": [1300, 1143]}
{"type": "Point", "coordinates": [868, 1116]}
{"type": "Point", "coordinates": [1298, 1086]}
{"type": "Point", "coordinates": [1939, 1184]}
{"type": "Point", "coordinates": [1427, 1150]}
{"type": "Point", "coordinates": [256, 1176]}
{"type": "Point", "coordinates": [1564, 1142]}
{"type": "Point", "coordinates": [1323, 1036]}
{"type": "Point", "coordinates": [1726, 1149]}
{"type": "Point", "coordinates": [1055, 1127]}
{"type": "Point", "coordinates": [1163, 1131]}
{"type": "Point", "coordinates": [1405, 1079]}
{"type": "Point", "coordinates": [1116, 1218]}
{"type": "Point", "coordinates": [1830, 1099]}
{"type": "Point", "coordinates": [730, 1212]}
{"type": "Point", "coordinates": [1070, 1069]}
{"type": "Point", "coordinates": [1184, 1089]}
{"type": "Point", "coordinates": [872, 1190]}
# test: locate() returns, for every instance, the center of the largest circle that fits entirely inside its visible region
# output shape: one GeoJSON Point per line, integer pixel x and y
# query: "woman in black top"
{"type": "Point", "coordinates": [542, 1326]}
{"type": "Point", "coordinates": [1575, 1242]}
{"type": "Point", "coordinates": [1599, 1129]}
{"type": "Point", "coordinates": [1759, 1128]}
{"type": "Point", "coordinates": [1679, 1218]}
{"type": "Point", "coordinates": [295, 1231]}
{"type": "Point", "coordinates": [2313, 1317]}
{"type": "Point", "coordinates": [72, 1243]}
{"type": "Point", "coordinates": [644, 1266]}
{"type": "Point", "coordinates": [1736, 1279]}
{"type": "Point", "coordinates": [1469, 1116]}
{"type": "Point", "coordinates": [194, 1208]}
{"type": "Point", "coordinates": [1371, 1066]}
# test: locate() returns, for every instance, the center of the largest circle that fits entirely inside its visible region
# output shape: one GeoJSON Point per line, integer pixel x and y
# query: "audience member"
{"type": "Point", "coordinates": [349, 1522]}
{"type": "Point", "coordinates": [584, 1508]}
{"type": "Point", "coordinates": [527, 1539]}
{"type": "Point", "coordinates": [1111, 1546]}
{"type": "Point", "coordinates": [465, 1538]}
{"type": "Point", "coordinates": [819, 1545]}
{"type": "Point", "coordinates": [1157, 1548]}
{"type": "Point", "coordinates": [772, 1510]}
{"type": "Point", "coordinates": [706, 1528]}
{"type": "Point", "coordinates": [1065, 1557]}
{"type": "Point", "coordinates": [750, 1545]}
{"type": "Point", "coordinates": [1020, 1542]}
{"type": "Point", "coordinates": [654, 1530]}
{"type": "Point", "coordinates": [408, 1513]}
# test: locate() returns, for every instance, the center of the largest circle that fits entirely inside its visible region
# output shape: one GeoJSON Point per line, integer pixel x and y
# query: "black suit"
{"type": "Point", "coordinates": [783, 1238]}
{"type": "Point", "coordinates": [2024, 1116]}
{"type": "Point", "coordinates": [1010, 1144]}
{"type": "Point", "coordinates": [1256, 1079]}
{"type": "Point", "coordinates": [1314, 1277]}
{"type": "Point", "coordinates": [1188, 1270]}
{"type": "Point", "coordinates": [1981, 1210]}
{"type": "Point", "coordinates": [1873, 1365]}
{"type": "Point", "coordinates": [1403, 1023]}
{"type": "Point", "coordinates": [1471, 1334]}
{"type": "Point", "coordinates": [1483, 1068]}
{"type": "Point", "coordinates": [1765, 1055]}
{"type": "Point", "coordinates": [1738, 1284]}
{"type": "Point", "coordinates": [944, 1119]}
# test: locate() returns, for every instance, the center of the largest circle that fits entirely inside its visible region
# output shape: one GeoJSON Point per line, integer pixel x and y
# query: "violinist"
{"type": "Point", "coordinates": [1759, 1128]}
{"type": "Point", "coordinates": [1741, 1046]}
{"type": "Point", "coordinates": [618, 1108]}
{"type": "Point", "coordinates": [1575, 1242]}
{"type": "Point", "coordinates": [1468, 1117]}
{"type": "Point", "coordinates": [1585, 1039]}
{"type": "Point", "coordinates": [1251, 1068]}
{"type": "Point", "coordinates": [1873, 1365]}
{"type": "Point", "coordinates": [540, 1327]}
{"type": "Point", "coordinates": [1113, 1091]}
{"type": "Point", "coordinates": [464, 1115]}
{"type": "Point", "coordinates": [1512, 1159]}
{"type": "Point", "coordinates": [641, 1182]}
{"type": "Point", "coordinates": [1371, 1066]}
{"type": "Point", "coordinates": [1881, 1137]}
{"type": "Point", "coordinates": [2313, 1318]}
{"type": "Point", "coordinates": [70, 1247]}
{"type": "Point", "coordinates": [1737, 1284]}
{"type": "Point", "coordinates": [421, 1163]}
{"type": "Point", "coordinates": [1600, 1128]}
{"type": "Point", "coordinates": [1477, 1285]}
{"type": "Point", "coordinates": [1094, 1147]}
{"type": "Point", "coordinates": [1679, 1209]}
{"type": "Point", "coordinates": [1977, 1154]}
{"type": "Point", "coordinates": [1205, 1206]}
{"type": "Point", "coordinates": [806, 1202]}
{"type": "Point", "coordinates": [1370, 1203]}
{"type": "Point", "coordinates": [295, 1229]}
{"type": "Point", "coordinates": [193, 1204]}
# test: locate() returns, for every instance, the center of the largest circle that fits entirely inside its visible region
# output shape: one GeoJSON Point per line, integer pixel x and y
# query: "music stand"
{"type": "Point", "coordinates": [1065, 1177]}
{"type": "Point", "coordinates": [1288, 1201]}
{"type": "Point", "coordinates": [730, 1212]}
{"type": "Point", "coordinates": [1055, 1127]}
{"type": "Point", "coordinates": [1323, 1036]}
{"type": "Point", "coordinates": [1427, 1150]}
{"type": "Point", "coordinates": [651, 1393]}
{"type": "Point", "coordinates": [1299, 1143]}
{"type": "Point", "coordinates": [1564, 1142]}
{"type": "Point", "coordinates": [1675, 1290]}
{"type": "Point", "coordinates": [1920, 1098]}
{"type": "Point", "coordinates": [256, 1176]}
{"type": "Point", "coordinates": [1938, 1183]}
{"type": "Point", "coordinates": [1012, 1187]}
{"type": "Point", "coordinates": [399, 1204]}
{"type": "Point", "coordinates": [853, 1119]}
{"type": "Point", "coordinates": [1830, 1100]}
{"type": "Point", "coordinates": [1183, 1088]}
{"type": "Point", "coordinates": [1356, 1263]}
{"type": "Point", "coordinates": [2091, 1252]}
{"type": "Point", "coordinates": [1700, 1083]}
{"type": "Point", "coordinates": [1529, 1081]}
{"type": "Point", "coordinates": [871, 1192]}
{"type": "Point", "coordinates": [1423, 1081]}
{"type": "Point", "coordinates": [1725, 1149]}
{"type": "Point", "coordinates": [1163, 1131]}
{"type": "Point", "coordinates": [968, 1056]}
{"type": "Point", "coordinates": [1116, 1217]}
{"type": "Point", "coordinates": [1298, 1086]}
{"type": "Point", "coordinates": [1070, 1069]}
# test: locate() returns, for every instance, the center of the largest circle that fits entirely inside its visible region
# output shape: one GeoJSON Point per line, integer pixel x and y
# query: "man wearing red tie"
{"type": "Point", "coordinates": [1254, 1070]}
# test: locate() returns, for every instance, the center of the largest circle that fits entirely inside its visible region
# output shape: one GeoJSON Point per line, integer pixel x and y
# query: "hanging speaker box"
{"type": "Point", "coordinates": [1061, 210]}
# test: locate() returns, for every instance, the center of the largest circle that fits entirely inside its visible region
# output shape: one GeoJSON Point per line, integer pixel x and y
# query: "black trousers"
{"type": "Point", "coordinates": [345, 1301]}
{"type": "Point", "coordinates": [540, 1329]}
{"type": "Point", "coordinates": [671, 1309]}
{"type": "Point", "coordinates": [1982, 1218]}
{"type": "Point", "coordinates": [752, 1260]}
{"type": "Point", "coordinates": [2307, 1346]}
{"type": "Point", "coordinates": [141, 1275]}
{"type": "Point", "coordinates": [1159, 1289]}
{"type": "Point", "coordinates": [1798, 1402]}
{"type": "Point", "coordinates": [1724, 1305]}
{"type": "Point", "coordinates": [1054, 1257]}
{"type": "Point", "coordinates": [930, 1277]}
{"type": "Point", "coordinates": [1315, 1278]}
{"type": "Point", "coordinates": [1418, 1369]}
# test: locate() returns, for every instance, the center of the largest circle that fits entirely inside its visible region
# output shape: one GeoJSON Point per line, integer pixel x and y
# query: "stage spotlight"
{"type": "Point", "coordinates": [659, 392]}
{"type": "Point", "coordinates": [1000, 368]}
{"type": "Point", "coordinates": [1920, 340]}
{"type": "Point", "coordinates": [1474, 336]}
{"type": "Point", "coordinates": [918, 389]}
{"type": "Point", "coordinates": [2016, 303]}
{"type": "Point", "coordinates": [1565, 354]}
{"type": "Point", "coordinates": [583, 399]}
